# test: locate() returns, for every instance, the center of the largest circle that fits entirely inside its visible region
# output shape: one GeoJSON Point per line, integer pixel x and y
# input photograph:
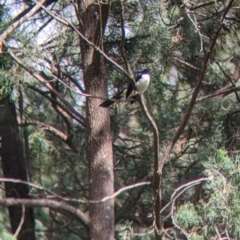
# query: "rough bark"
{"type": "Point", "coordinates": [99, 142]}
{"type": "Point", "coordinates": [13, 166]}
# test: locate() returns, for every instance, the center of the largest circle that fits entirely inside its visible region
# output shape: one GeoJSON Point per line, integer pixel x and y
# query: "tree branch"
{"type": "Point", "coordinates": [21, 222]}
{"type": "Point", "coordinates": [229, 79]}
{"type": "Point", "coordinates": [120, 191]}
{"type": "Point", "coordinates": [200, 5]}
{"type": "Point", "coordinates": [187, 64]}
{"type": "Point", "coordinates": [157, 178]}
{"type": "Point", "coordinates": [53, 204]}
{"type": "Point", "coordinates": [46, 127]}
{"type": "Point", "coordinates": [217, 93]}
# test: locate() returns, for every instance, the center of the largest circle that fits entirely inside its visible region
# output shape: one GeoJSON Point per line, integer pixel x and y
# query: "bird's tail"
{"type": "Point", "coordinates": [107, 103]}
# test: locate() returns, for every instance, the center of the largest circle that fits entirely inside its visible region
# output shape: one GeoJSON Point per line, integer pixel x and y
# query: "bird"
{"type": "Point", "coordinates": [142, 81]}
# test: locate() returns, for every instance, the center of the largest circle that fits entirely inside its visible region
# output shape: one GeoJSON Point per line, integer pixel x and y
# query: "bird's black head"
{"type": "Point", "coordinates": [145, 71]}
{"type": "Point", "coordinates": [138, 75]}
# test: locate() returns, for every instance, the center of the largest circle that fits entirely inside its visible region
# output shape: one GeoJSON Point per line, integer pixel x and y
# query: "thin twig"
{"type": "Point", "coordinates": [228, 237]}
{"type": "Point", "coordinates": [229, 79]}
{"type": "Point", "coordinates": [218, 234]}
{"type": "Point", "coordinates": [195, 24]}
{"type": "Point", "coordinates": [120, 191]}
{"type": "Point", "coordinates": [71, 89]}
{"type": "Point", "coordinates": [21, 223]}
{"type": "Point", "coordinates": [200, 5]}
{"type": "Point", "coordinates": [187, 64]}
{"type": "Point", "coordinates": [224, 92]}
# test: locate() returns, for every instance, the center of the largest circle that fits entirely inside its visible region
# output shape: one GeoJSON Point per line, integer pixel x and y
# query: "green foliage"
{"type": "Point", "coordinates": [125, 231]}
{"type": "Point", "coordinates": [4, 225]}
{"type": "Point", "coordinates": [8, 81]}
{"type": "Point", "coordinates": [6, 236]}
{"type": "Point", "coordinates": [187, 217]}
{"type": "Point", "coordinates": [195, 236]}
{"type": "Point", "coordinates": [219, 208]}
{"type": "Point", "coordinates": [6, 86]}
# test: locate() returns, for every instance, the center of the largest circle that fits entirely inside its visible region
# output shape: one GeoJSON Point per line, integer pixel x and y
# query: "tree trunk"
{"type": "Point", "coordinates": [99, 142]}
{"type": "Point", "coordinates": [13, 166]}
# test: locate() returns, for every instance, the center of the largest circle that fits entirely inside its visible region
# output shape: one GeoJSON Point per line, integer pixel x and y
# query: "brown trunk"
{"type": "Point", "coordinates": [99, 154]}
{"type": "Point", "coordinates": [99, 142]}
{"type": "Point", "coordinates": [13, 166]}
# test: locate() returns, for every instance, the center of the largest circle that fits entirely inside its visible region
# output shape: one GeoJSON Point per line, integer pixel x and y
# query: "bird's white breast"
{"type": "Point", "coordinates": [143, 83]}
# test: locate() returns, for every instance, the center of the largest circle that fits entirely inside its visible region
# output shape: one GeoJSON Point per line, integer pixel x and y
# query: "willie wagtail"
{"type": "Point", "coordinates": [142, 80]}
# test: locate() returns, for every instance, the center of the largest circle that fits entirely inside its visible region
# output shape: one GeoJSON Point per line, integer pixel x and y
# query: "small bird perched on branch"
{"type": "Point", "coordinates": [142, 80]}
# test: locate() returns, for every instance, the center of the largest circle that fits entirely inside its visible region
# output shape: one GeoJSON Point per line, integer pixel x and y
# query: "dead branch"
{"type": "Point", "coordinates": [46, 127]}
{"type": "Point", "coordinates": [53, 204]}
{"type": "Point", "coordinates": [120, 191]}
{"type": "Point", "coordinates": [218, 93]}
